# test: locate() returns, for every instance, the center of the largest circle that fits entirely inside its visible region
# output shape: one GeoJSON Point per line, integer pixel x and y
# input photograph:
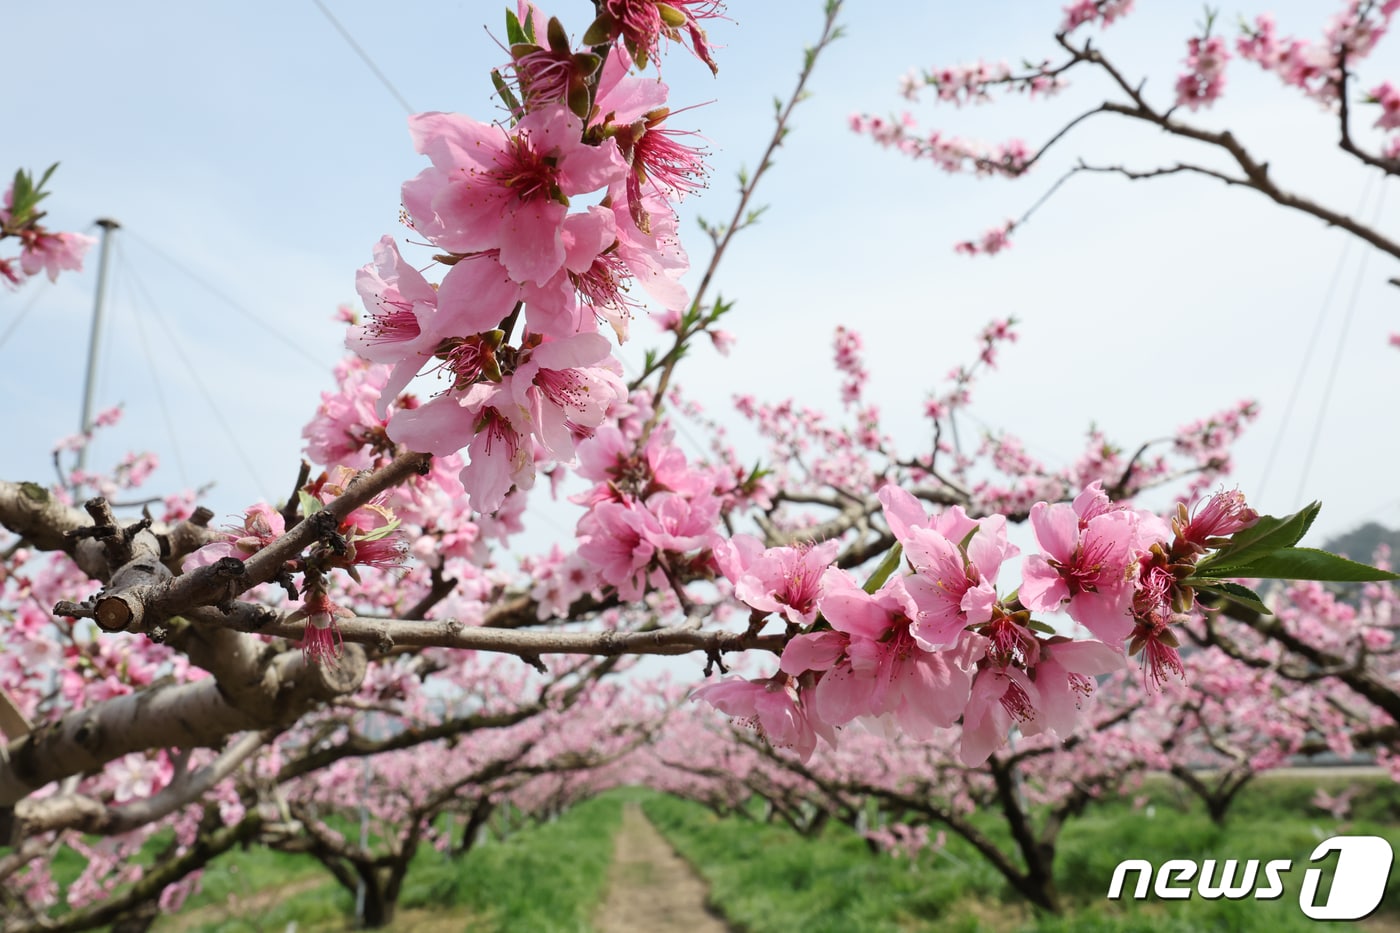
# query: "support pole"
{"type": "Point", "coordinates": [90, 381]}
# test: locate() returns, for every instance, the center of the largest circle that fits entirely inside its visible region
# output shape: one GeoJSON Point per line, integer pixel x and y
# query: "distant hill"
{"type": "Point", "coordinates": [1361, 543]}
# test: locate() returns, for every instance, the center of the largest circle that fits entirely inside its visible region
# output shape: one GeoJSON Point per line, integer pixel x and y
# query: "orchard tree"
{"type": "Point", "coordinates": [164, 673]}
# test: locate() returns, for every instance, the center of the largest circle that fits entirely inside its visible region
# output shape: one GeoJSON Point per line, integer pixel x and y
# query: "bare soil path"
{"type": "Point", "coordinates": [650, 888]}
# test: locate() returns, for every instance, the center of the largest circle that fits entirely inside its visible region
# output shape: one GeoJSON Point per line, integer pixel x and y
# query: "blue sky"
{"type": "Point", "coordinates": [254, 160]}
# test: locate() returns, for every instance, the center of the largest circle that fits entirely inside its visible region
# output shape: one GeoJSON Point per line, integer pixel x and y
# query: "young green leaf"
{"type": "Point", "coordinates": [887, 566]}
{"type": "Point", "coordinates": [1235, 593]}
{"type": "Point", "coordinates": [310, 505]}
{"type": "Point", "coordinates": [1305, 563]}
{"type": "Point", "coordinates": [515, 35]}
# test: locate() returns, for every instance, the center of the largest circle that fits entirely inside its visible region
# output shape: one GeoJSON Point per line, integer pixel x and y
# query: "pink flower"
{"type": "Point", "coordinates": [651, 249]}
{"type": "Point", "coordinates": [1223, 514]}
{"type": "Point", "coordinates": [399, 301]}
{"type": "Point", "coordinates": [1204, 79]}
{"type": "Point", "coordinates": [682, 524]}
{"type": "Point", "coordinates": [1000, 696]}
{"type": "Point", "coordinates": [993, 241]}
{"type": "Point", "coordinates": [499, 459]}
{"type": "Point", "coordinates": [884, 670]}
{"type": "Point", "coordinates": [1259, 43]}
{"type": "Point", "coordinates": [54, 252]}
{"type": "Point", "coordinates": [611, 460]}
{"type": "Point", "coordinates": [475, 296]}
{"type": "Point", "coordinates": [499, 456]}
{"type": "Point", "coordinates": [954, 589]}
{"type": "Point", "coordinates": [903, 513]}
{"type": "Point", "coordinates": [723, 341]}
{"type": "Point", "coordinates": [1088, 564]}
{"type": "Point", "coordinates": [139, 775]}
{"type": "Point", "coordinates": [346, 429]}
{"type": "Point", "coordinates": [642, 23]}
{"type": "Point", "coordinates": [771, 706]}
{"type": "Point", "coordinates": [1158, 644]}
{"type": "Point", "coordinates": [1388, 96]}
{"type": "Point", "coordinates": [785, 580]}
{"type": "Point", "coordinates": [1063, 676]}
{"type": "Point", "coordinates": [1080, 12]}
{"type": "Point", "coordinates": [320, 641]}
{"type": "Point", "coordinates": [566, 390]}
{"type": "Point", "coordinates": [262, 524]}
{"type": "Point", "coordinates": [619, 543]}
{"type": "Point", "coordinates": [491, 188]}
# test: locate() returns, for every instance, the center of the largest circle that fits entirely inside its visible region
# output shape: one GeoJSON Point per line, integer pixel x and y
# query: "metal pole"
{"type": "Point", "coordinates": [89, 382]}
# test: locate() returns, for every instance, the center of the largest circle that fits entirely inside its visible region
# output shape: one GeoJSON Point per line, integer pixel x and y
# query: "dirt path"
{"type": "Point", "coordinates": [650, 888]}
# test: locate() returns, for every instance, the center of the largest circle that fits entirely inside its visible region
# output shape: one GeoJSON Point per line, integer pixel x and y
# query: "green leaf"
{"type": "Point", "coordinates": [1237, 594]}
{"type": "Point", "coordinates": [515, 35]}
{"type": "Point", "coordinates": [505, 93]}
{"type": "Point", "coordinates": [1266, 536]}
{"type": "Point", "coordinates": [1044, 628]}
{"type": "Point", "coordinates": [310, 505]}
{"type": "Point", "coordinates": [1305, 563]}
{"type": "Point", "coordinates": [48, 173]}
{"type": "Point", "coordinates": [887, 566]}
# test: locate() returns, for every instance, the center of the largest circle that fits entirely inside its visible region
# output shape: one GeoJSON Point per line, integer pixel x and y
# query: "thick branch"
{"type": "Point", "coordinates": [189, 715]}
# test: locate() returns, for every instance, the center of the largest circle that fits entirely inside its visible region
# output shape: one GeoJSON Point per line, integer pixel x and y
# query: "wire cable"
{"type": "Point", "coordinates": [364, 57]}
{"type": "Point", "coordinates": [1337, 357]}
{"type": "Point", "coordinates": [267, 328]}
{"type": "Point", "coordinates": [19, 318]}
{"type": "Point", "coordinates": [1308, 350]}
{"type": "Point", "coordinates": [145, 341]}
{"type": "Point", "coordinates": [184, 358]}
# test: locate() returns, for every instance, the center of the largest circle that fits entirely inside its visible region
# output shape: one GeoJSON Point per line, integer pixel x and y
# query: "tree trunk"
{"type": "Point", "coordinates": [479, 815]}
{"type": "Point", "coordinates": [378, 909]}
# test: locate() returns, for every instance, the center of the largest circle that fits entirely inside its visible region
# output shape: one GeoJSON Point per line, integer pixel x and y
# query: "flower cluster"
{"type": "Point", "coordinates": [1317, 68]}
{"type": "Point", "coordinates": [993, 241]}
{"type": "Point", "coordinates": [1388, 97]}
{"type": "Point", "coordinates": [543, 224]}
{"type": "Point", "coordinates": [651, 516]}
{"type": "Point", "coordinates": [950, 153]}
{"type": "Point", "coordinates": [920, 650]}
{"type": "Point", "coordinates": [1082, 12]}
{"type": "Point", "coordinates": [1204, 79]}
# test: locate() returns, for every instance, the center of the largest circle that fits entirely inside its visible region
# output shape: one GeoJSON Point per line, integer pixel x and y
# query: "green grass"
{"type": "Point", "coordinates": [548, 878]}
{"type": "Point", "coordinates": [246, 891]}
{"type": "Point", "coordinates": [768, 878]}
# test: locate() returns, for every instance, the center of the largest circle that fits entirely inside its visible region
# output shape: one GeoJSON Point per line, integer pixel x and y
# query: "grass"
{"type": "Point", "coordinates": [547, 878]}
{"type": "Point", "coordinates": [768, 878]}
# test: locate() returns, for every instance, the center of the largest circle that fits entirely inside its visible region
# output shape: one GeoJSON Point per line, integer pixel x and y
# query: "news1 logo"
{"type": "Point", "coordinates": [1358, 879]}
